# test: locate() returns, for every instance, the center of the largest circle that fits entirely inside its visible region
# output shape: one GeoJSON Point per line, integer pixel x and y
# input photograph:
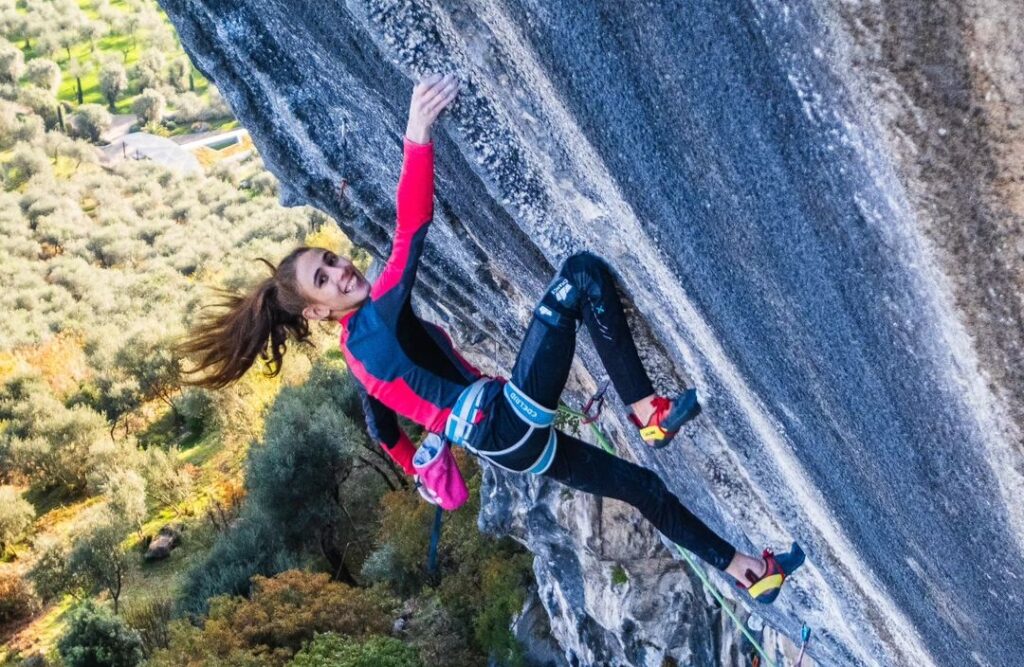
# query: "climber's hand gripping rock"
{"type": "Point", "coordinates": [430, 97]}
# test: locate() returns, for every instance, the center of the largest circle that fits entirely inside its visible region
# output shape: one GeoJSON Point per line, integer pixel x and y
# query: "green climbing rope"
{"type": "Point", "coordinates": [718, 596]}
{"type": "Point", "coordinates": [602, 439]}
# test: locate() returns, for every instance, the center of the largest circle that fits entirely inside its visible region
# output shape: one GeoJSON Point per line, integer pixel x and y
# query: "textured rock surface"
{"type": "Point", "coordinates": [816, 208]}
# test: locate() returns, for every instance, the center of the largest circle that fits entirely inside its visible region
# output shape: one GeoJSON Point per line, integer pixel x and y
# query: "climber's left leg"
{"type": "Point", "coordinates": [585, 290]}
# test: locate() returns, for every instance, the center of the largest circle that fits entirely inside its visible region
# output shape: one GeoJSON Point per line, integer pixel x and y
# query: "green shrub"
{"type": "Point", "coordinates": [331, 650]}
{"type": "Point", "coordinates": [502, 594]}
{"type": "Point", "coordinates": [16, 600]}
{"type": "Point", "coordinates": [95, 638]}
{"type": "Point", "coordinates": [281, 614]}
{"type": "Point", "coordinates": [16, 514]}
{"type": "Point", "coordinates": [252, 546]}
{"type": "Point", "coordinates": [50, 575]}
{"type": "Point", "coordinates": [151, 618]}
{"type": "Point", "coordinates": [440, 639]}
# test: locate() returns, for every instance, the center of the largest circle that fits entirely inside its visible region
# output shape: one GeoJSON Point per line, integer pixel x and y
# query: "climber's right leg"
{"type": "Point", "coordinates": [593, 470]}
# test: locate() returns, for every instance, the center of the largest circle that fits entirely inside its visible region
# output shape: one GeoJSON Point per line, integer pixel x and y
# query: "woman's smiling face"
{"type": "Point", "coordinates": [331, 284]}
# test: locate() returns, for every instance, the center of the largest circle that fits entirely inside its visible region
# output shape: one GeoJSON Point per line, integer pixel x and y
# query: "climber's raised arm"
{"type": "Point", "coordinates": [415, 197]}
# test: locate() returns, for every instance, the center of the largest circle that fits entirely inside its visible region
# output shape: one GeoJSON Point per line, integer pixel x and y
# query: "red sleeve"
{"type": "Point", "coordinates": [402, 452]}
{"type": "Point", "coordinates": [415, 208]}
{"type": "Point", "coordinates": [382, 423]}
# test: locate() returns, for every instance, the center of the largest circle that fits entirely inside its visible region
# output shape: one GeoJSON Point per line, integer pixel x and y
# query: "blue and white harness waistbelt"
{"type": "Point", "coordinates": [461, 423]}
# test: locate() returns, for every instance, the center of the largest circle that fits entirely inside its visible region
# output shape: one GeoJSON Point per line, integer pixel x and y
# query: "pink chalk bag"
{"type": "Point", "coordinates": [437, 474]}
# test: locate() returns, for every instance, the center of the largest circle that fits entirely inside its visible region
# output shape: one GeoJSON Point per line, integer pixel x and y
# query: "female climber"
{"type": "Point", "coordinates": [407, 366]}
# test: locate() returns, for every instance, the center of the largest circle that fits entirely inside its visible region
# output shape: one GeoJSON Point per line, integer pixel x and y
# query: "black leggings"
{"type": "Point", "coordinates": [584, 289]}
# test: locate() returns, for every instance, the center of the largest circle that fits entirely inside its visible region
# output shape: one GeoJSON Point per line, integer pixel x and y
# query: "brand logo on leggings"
{"type": "Point", "coordinates": [522, 405]}
{"type": "Point", "coordinates": [562, 290]}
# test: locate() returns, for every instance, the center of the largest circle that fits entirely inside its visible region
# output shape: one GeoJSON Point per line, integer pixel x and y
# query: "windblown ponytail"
{"type": "Point", "coordinates": [224, 345]}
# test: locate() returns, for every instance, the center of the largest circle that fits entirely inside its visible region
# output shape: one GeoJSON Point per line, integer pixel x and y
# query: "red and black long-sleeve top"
{"type": "Point", "coordinates": [402, 364]}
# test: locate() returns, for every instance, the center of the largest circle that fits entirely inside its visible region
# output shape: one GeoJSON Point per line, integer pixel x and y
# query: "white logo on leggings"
{"type": "Point", "coordinates": [562, 290]}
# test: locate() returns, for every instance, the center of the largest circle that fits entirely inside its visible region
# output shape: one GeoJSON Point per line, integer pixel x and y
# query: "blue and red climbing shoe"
{"type": "Point", "coordinates": [668, 417]}
{"type": "Point", "coordinates": [765, 589]}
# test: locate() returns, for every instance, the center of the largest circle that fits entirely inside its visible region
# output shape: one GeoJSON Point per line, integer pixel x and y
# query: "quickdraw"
{"type": "Point", "coordinates": [592, 408]}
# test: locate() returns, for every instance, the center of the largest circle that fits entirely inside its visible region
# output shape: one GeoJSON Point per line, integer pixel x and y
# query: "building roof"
{"type": "Point", "coordinates": [145, 146]}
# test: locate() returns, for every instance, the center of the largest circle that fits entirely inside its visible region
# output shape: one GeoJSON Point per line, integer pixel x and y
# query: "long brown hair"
{"type": "Point", "coordinates": [224, 345]}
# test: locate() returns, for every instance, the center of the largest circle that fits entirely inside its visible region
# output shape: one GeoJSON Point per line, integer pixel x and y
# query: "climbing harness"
{"type": "Point", "coordinates": [466, 414]}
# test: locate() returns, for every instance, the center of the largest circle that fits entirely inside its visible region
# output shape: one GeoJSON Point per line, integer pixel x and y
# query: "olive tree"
{"type": "Point", "coordinates": [12, 63]}
{"type": "Point", "coordinates": [188, 108]}
{"type": "Point", "coordinates": [26, 162]}
{"type": "Point", "coordinates": [42, 102]}
{"type": "Point", "coordinates": [50, 575]}
{"type": "Point", "coordinates": [52, 445]}
{"type": "Point", "coordinates": [150, 105]}
{"type": "Point", "coordinates": [89, 31]}
{"type": "Point", "coordinates": [168, 481]}
{"type": "Point", "coordinates": [30, 130]}
{"type": "Point", "coordinates": [90, 121]}
{"type": "Point", "coordinates": [16, 514]}
{"type": "Point", "coordinates": [149, 69]}
{"type": "Point", "coordinates": [78, 69]}
{"type": "Point", "coordinates": [125, 490]}
{"type": "Point", "coordinates": [68, 38]}
{"type": "Point", "coordinates": [315, 474]}
{"type": "Point", "coordinates": [100, 561]}
{"type": "Point", "coordinates": [113, 81]}
{"type": "Point", "coordinates": [44, 73]}
{"type": "Point", "coordinates": [177, 73]}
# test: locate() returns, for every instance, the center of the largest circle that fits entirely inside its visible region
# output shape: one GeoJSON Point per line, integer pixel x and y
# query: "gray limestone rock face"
{"type": "Point", "coordinates": [815, 211]}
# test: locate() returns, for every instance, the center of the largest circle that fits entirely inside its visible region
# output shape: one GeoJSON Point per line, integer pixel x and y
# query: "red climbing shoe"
{"type": "Point", "coordinates": [668, 417]}
{"type": "Point", "coordinates": [765, 589]}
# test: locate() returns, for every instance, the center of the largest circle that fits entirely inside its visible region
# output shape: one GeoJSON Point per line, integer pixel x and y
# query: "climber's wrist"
{"type": "Point", "coordinates": [418, 132]}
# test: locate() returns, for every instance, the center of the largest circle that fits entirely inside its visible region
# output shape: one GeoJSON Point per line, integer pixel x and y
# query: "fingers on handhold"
{"type": "Point", "coordinates": [440, 91]}
{"type": "Point", "coordinates": [444, 96]}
